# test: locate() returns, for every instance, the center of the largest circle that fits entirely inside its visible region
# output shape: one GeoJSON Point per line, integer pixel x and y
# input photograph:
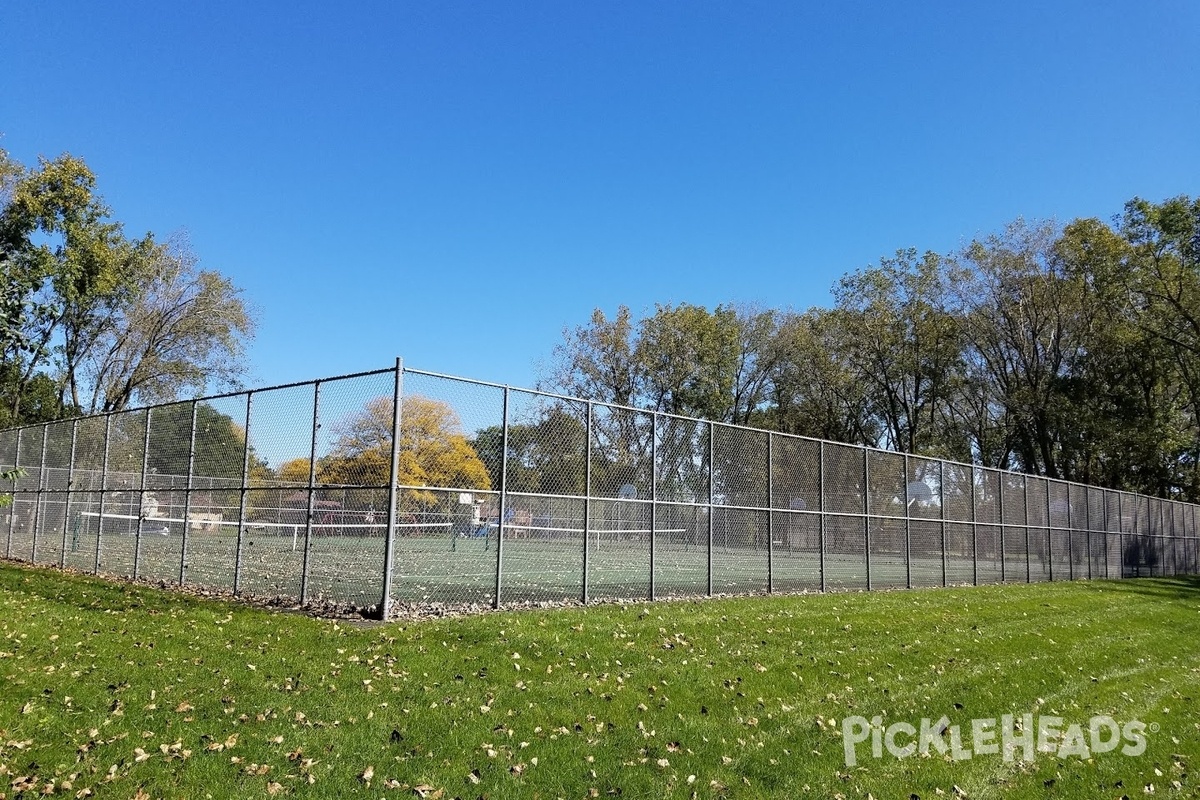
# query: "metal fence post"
{"type": "Point", "coordinates": [1049, 532]}
{"type": "Point", "coordinates": [103, 491]}
{"type": "Point", "coordinates": [504, 500]}
{"type": "Point", "coordinates": [942, 514]}
{"type": "Point", "coordinates": [389, 547]}
{"type": "Point", "coordinates": [770, 512]}
{"type": "Point", "coordinates": [62, 557]}
{"type": "Point", "coordinates": [587, 501]}
{"type": "Point", "coordinates": [1087, 534]}
{"type": "Point", "coordinates": [1107, 534]}
{"type": "Point", "coordinates": [237, 558]}
{"type": "Point", "coordinates": [12, 510]}
{"type": "Point", "coordinates": [821, 506]}
{"type": "Point", "coordinates": [711, 489]}
{"type": "Point", "coordinates": [1121, 533]}
{"type": "Point", "coordinates": [141, 511]}
{"type": "Point", "coordinates": [653, 498]}
{"type": "Point", "coordinates": [974, 533]}
{"type": "Point", "coordinates": [1162, 537]}
{"type": "Point", "coordinates": [37, 509]}
{"type": "Point", "coordinates": [310, 505]}
{"type": "Point", "coordinates": [1000, 514]}
{"type": "Point", "coordinates": [907, 528]}
{"type": "Point", "coordinates": [1025, 493]}
{"type": "Point", "coordinates": [866, 473]}
{"type": "Point", "coordinates": [187, 497]}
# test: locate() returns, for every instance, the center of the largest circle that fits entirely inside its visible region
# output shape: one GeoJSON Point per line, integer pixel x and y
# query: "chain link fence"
{"type": "Point", "coordinates": [400, 486]}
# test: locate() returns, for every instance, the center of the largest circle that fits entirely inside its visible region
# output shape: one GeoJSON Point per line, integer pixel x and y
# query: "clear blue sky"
{"type": "Point", "coordinates": [456, 182]}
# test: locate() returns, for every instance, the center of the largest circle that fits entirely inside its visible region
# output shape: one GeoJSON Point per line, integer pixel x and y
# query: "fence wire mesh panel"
{"type": "Point", "coordinates": [117, 525]}
{"type": "Point", "coordinates": [889, 532]}
{"type": "Point", "coordinates": [452, 439]}
{"type": "Point", "coordinates": [56, 488]}
{"type": "Point", "coordinates": [27, 495]}
{"type": "Point", "coordinates": [87, 480]}
{"type": "Point", "coordinates": [741, 541]}
{"type": "Point", "coordinates": [621, 468]}
{"type": "Point", "coordinates": [796, 524]}
{"type": "Point", "coordinates": [484, 494]}
{"type": "Point", "coordinates": [987, 525]}
{"type": "Point", "coordinates": [345, 513]}
{"type": "Point", "coordinates": [1041, 566]}
{"type": "Point", "coordinates": [682, 491]}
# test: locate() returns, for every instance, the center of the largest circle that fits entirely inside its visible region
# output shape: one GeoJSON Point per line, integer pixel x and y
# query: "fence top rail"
{"type": "Point", "coordinates": [205, 398]}
{"type": "Point", "coordinates": [866, 449]}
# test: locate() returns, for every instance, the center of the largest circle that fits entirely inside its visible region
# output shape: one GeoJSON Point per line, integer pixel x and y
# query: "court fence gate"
{"type": "Point", "coordinates": [406, 487]}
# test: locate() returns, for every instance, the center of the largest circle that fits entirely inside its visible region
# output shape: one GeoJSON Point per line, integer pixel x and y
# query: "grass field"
{"type": "Point", "coordinates": [111, 690]}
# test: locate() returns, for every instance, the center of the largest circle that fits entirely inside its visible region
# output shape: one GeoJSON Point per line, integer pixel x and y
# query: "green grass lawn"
{"type": "Point", "coordinates": [122, 691]}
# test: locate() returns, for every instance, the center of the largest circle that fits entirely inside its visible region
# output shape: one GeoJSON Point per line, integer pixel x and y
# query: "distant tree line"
{"type": "Point", "coordinates": [1066, 351]}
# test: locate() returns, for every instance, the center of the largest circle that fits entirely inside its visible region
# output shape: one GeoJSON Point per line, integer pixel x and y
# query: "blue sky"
{"type": "Point", "coordinates": [455, 183]}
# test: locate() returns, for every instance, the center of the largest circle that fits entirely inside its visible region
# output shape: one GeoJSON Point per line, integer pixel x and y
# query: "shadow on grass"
{"type": "Point", "coordinates": [1178, 587]}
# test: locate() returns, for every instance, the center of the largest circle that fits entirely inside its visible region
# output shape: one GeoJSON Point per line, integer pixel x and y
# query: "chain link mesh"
{"type": "Point", "coordinates": [290, 493]}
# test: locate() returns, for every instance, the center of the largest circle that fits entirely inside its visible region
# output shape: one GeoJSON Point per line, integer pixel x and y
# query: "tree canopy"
{"type": "Point", "coordinates": [1067, 351]}
{"type": "Point", "coordinates": [92, 320]}
{"type": "Point", "coordinates": [433, 450]}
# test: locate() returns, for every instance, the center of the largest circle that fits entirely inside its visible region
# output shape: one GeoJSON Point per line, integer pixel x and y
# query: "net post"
{"type": "Point", "coordinates": [389, 548]}
{"type": "Point", "coordinates": [310, 504]}
{"type": "Point", "coordinates": [141, 514]}
{"type": "Point", "coordinates": [62, 558]}
{"type": "Point", "coordinates": [237, 558]}
{"type": "Point", "coordinates": [503, 506]}
{"type": "Point", "coordinates": [187, 497]}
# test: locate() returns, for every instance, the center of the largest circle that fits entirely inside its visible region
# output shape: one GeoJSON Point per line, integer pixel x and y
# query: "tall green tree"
{"type": "Point", "coordinates": [904, 346]}
{"type": "Point", "coordinates": [106, 319]}
{"type": "Point", "coordinates": [176, 328]}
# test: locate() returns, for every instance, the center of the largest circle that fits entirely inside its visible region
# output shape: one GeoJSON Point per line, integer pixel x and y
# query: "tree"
{"type": "Point", "coordinates": [596, 361]}
{"type": "Point", "coordinates": [62, 263]}
{"type": "Point", "coordinates": [433, 450]}
{"type": "Point", "coordinates": [904, 345]}
{"type": "Point", "coordinates": [814, 389]}
{"type": "Point", "coordinates": [180, 328]}
{"type": "Point", "coordinates": [547, 456]}
{"type": "Point", "coordinates": [295, 470]}
{"type": "Point", "coordinates": [105, 318]}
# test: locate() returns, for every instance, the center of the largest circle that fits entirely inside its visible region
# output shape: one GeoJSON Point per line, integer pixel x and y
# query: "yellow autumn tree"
{"type": "Point", "coordinates": [293, 471]}
{"type": "Point", "coordinates": [434, 453]}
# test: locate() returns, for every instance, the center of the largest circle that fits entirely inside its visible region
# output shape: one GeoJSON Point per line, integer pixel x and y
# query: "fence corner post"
{"type": "Point", "coordinates": [389, 548]}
